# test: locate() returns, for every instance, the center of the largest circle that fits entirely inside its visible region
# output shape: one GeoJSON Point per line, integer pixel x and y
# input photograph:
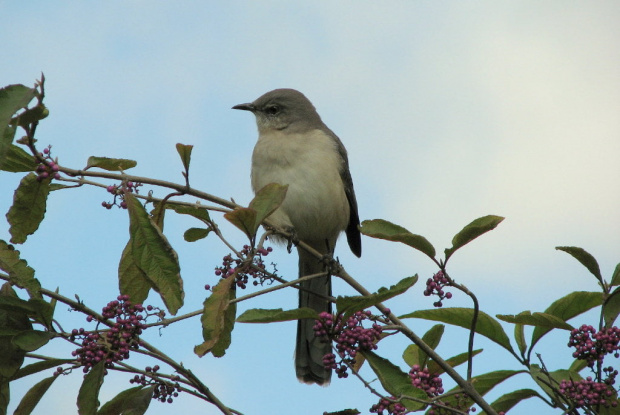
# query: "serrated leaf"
{"type": "Point", "coordinates": [154, 256]}
{"type": "Point", "coordinates": [132, 281]}
{"type": "Point", "coordinates": [31, 340]}
{"type": "Point", "coordinates": [88, 396]}
{"type": "Point", "coordinates": [134, 401]}
{"type": "Point", "coordinates": [11, 356]}
{"type": "Point", "coordinates": [260, 315]}
{"type": "Point", "coordinates": [454, 361]}
{"type": "Point", "coordinates": [19, 272]}
{"type": "Point", "coordinates": [568, 307]}
{"type": "Point", "coordinates": [28, 209]}
{"type": "Point", "coordinates": [615, 278]}
{"type": "Point", "coordinates": [413, 355]}
{"type": "Point", "coordinates": [536, 319]}
{"type": "Point", "coordinates": [349, 305]}
{"type": "Point", "coordinates": [195, 234]}
{"type": "Point", "coordinates": [33, 396]}
{"type": "Point", "coordinates": [611, 308]}
{"type": "Point", "coordinates": [470, 232]}
{"type": "Point", "coordinates": [110, 164]}
{"type": "Point", "coordinates": [462, 317]}
{"type": "Point", "coordinates": [585, 258]}
{"type": "Point", "coordinates": [509, 400]}
{"type": "Point", "coordinates": [15, 159]}
{"type": "Point", "coordinates": [382, 229]}
{"type": "Point", "coordinates": [40, 366]}
{"type": "Point", "coordinates": [214, 316]}
{"type": "Point", "coordinates": [185, 152]}
{"type": "Point", "coordinates": [394, 380]}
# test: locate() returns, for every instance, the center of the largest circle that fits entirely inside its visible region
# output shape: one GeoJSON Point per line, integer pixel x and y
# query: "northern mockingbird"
{"type": "Point", "coordinates": [295, 148]}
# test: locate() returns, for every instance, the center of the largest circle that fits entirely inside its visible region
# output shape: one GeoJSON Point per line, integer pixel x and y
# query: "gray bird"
{"type": "Point", "coordinates": [296, 148]}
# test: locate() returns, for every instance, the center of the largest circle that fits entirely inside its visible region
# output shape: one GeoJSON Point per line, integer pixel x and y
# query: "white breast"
{"type": "Point", "coordinates": [316, 204]}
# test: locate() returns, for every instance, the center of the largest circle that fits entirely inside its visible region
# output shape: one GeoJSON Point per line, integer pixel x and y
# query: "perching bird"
{"type": "Point", "coordinates": [296, 148]}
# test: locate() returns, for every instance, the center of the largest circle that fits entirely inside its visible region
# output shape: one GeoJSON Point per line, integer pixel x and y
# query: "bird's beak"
{"type": "Point", "coordinates": [245, 107]}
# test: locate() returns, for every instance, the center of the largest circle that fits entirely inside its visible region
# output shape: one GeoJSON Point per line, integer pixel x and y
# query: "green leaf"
{"type": "Point", "coordinates": [394, 380]}
{"type": "Point", "coordinates": [28, 210]}
{"type": "Point", "coordinates": [536, 319]}
{"type": "Point", "coordinates": [40, 366]}
{"type": "Point", "coordinates": [568, 307]}
{"type": "Point", "coordinates": [12, 99]}
{"type": "Point", "coordinates": [16, 159]}
{"type": "Point", "coordinates": [615, 278]}
{"type": "Point", "coordinates": [483, 384]}
{"type": "Point", "coordinates": [185, 151]}
{"type": "Point", "coordinates": [472, 231]}
{"type": "Point", "coordinates": [586, 259]}
{"type": "Point", "coordinates": [110, 164]}
{"type": "Point", "coordinates": [215, 328]}
{"type": "Point", "coordinates": [244, 219]}
{"type": "Point", "coordinates": [11, 356]}
{"type": "Point", "coordinates": [267, 200]}
{"type": "Point", "coordinates": [132, 281]}
{"type": "Point", "coordinates": [19, 272]}
{"type": "Point", "coordinates": [88, 396]}
{"type": "Point", "coordinates": [33, 396]}
{"type": "Point", "coordinates": [31, 340]}
{"type": "Point", "coordinates": [260, 315]}
{"type": "Point", "coordinates": [413, 355]}
{"type": "Point", "coordinates": [31, 115]}
{"type": "Point", "coordinates": [349, 305]}
{"type": "Point", "coordinates": [509, 400]}
{"type": "Point", "coordinates": [611, 307]}
{"type": "Point", "coordinates": [454, 361]}
{"type": "Point", "coordinates": [198, 213]}
{"type": "Point", "coordinates": [5, 395]}
{"type": "Point", "coordinates": [134, 401]}
{"type": "Point", "coordinates": [520, 338]}
{"type": "Point", "coordinates": [154, 256]}
{"type": "Point", "coordinates": [462, 317]}
{"type": "Point", "coordinates": [382, 229]}
{"type": "Point", "coordinates": [578, 365]}
{"type": "Point", "coordinates": [195, 234]}
{"type": "Point", "coordinates": [542, 379]}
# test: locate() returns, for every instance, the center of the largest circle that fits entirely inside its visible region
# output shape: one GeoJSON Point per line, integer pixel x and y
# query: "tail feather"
{"type": "Point", "coordinates": [309, 350]}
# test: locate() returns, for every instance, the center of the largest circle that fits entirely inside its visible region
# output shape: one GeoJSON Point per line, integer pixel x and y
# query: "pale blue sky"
{"type": "Point", "coordinates": [449, 111]}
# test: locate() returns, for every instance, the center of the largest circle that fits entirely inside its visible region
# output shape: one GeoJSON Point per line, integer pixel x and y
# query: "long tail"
{"type": "Point", "coordinates": [309, 350]}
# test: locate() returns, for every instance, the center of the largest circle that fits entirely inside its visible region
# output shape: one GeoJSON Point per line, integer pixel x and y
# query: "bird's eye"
{"type": "Point", "coordinates": [272, 109]}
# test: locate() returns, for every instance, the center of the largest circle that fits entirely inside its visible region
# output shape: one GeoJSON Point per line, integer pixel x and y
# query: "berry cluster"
{"type": "Point", "coordinates": [119, 192]}
{"type": "Point", "coordinates": [114, 344]}
{"type": "Point", "coordinates": [586, 392]}
{"type": "Point", "coordinates": [45, 171]}
{"type": "Point", "coordinates": [592, 346]}
{"type": "Point", "coordinates": [350, 337]}
{"type": "Point", "coordinates": [392, 408]}
{"type": "Point", "coordinates": [244, 268]}
{"type": "Point", "coordinates": [164, 391]}
{"type": "Point", "coordinates": [429, 383]}
{"type": "Point", "coordinates": [435, 286]}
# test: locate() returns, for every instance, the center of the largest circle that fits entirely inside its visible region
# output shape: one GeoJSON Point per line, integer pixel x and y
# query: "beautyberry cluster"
{"type": "Point", "coordinates": [50, 169]}
{"type": "Point", "coordinates": [587, 392]}
{"type": "Point", "coordinates": [164, 391]}
{"type": "Point", "coordinates": [119, 191]}
{"type": "Point", "coordinates": [350, 337]}
{"type": "Point", "coordinates": [114, 344]}
{"type": "Point", "coordinates": [245, 269]}
{"type": "Point", "coordinates": [435, 286]}
{"type": "Point", "coordinates": [592, 346]}
{"type": "Point", "coordinates": [392, 408]}
{"type": "Point", "coordinates": [429, 383]}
